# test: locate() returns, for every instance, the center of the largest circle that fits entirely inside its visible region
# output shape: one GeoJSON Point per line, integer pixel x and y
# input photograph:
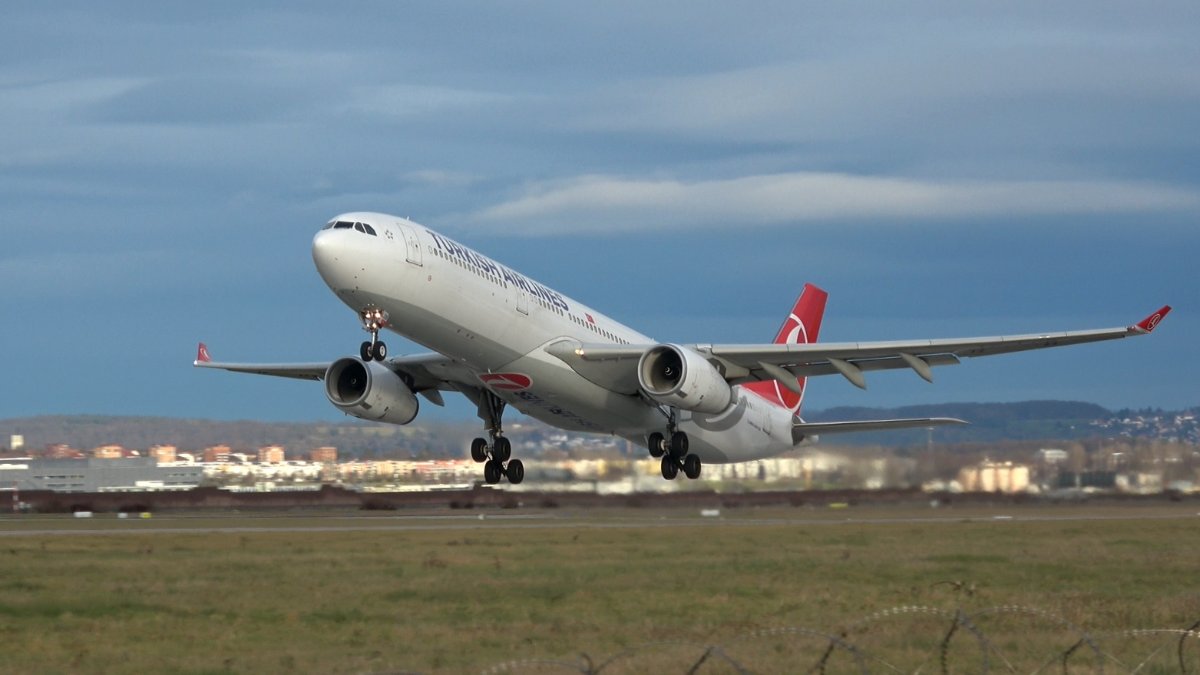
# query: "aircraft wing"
{"type": "Point", "coordinates": [615, 366]}
{"type": "Point", "coordinates": [429, 373]}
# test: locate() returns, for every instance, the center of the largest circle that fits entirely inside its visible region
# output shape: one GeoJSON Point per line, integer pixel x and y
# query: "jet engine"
{"type": "Point", "coordinates": [370, 391]}
{"type": "Point", "coordinates": [679, 377]}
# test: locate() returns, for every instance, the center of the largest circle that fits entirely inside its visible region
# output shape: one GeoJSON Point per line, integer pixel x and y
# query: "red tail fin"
{"type": "Point", "coordinates": [801, 327]}
{"type": "Point", "coordinates": [202, 354]}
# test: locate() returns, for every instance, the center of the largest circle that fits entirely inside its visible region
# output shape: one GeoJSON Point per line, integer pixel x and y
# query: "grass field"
{"type": "Point", "coordinates": [363, 593]}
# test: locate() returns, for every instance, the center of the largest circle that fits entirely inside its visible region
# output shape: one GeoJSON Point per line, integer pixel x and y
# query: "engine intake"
{"type": "Point", "coordinates": [679, 377]}
{"type": "Point", "coordinates": [370, 391]}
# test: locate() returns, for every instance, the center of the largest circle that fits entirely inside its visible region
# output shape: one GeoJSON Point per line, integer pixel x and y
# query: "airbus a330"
{"type": "Point", "coordinates": [500, 339]}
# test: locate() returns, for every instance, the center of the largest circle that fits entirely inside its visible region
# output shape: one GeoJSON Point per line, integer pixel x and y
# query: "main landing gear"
{"type": "Point", "coordinates": [496, 454]}
{"type": "Point", "coordinates": [373, 321]}
{"type": "Point", "coordinates": [673, 449]}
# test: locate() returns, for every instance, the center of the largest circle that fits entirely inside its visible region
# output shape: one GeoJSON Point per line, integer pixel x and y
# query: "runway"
{"type": "Point", "coordinates": [111, 525]}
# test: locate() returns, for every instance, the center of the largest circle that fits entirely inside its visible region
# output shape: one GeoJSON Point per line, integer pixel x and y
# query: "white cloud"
{"type": "Point", "coordinates": [610, 203]}
{"type": "Point", "coordinates": [438, 178]}
{"type": "Point", "coordinates": [56, 98]}
{"type": "Point", "coordinates": [404, 100]}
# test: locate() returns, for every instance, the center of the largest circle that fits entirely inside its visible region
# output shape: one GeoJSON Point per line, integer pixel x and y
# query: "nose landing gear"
{"type": "Point", "coordinates": [373, 320]}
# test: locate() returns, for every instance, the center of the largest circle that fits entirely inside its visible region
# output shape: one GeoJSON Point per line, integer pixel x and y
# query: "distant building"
{"type": "Point", "coordinates": [216, 453]}
{"type": "Point", "coordinates": [1052, 455]}
{"type": "Point", "coordinates": [98, 475]}
{"type": "Point", "coordinates": [108, 452]}
{"type": "Point", "coordinates": [1140, 482]}
{"type": "Point", "coordinates": [163, 454]}
{"type": "Point", "coordinates": [1101, 480]}
{"type": "Point", "coordinates": [16, 442]}
{"type": "Point", "coordinates": [61, 451]}
{"type": "Point", "coordinates": [995, 477]}
{"type": "Point", "coordinates": [271, 454]}
{"type": "Point", "coordinates": [325, 455]}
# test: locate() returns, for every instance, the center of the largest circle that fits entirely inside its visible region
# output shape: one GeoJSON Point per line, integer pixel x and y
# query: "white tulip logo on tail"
{"type": "Point", "coordinates": [801, 327]}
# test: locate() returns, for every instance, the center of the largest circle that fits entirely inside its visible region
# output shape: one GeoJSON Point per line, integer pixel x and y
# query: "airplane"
{"type": "Point", "coordinates": [502, 339]}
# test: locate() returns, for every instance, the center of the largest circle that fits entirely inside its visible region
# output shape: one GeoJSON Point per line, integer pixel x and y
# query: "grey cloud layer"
{"type": "Point", "coordinates": [613, 204]}
{"type": "Point", "coordinates": [153, 150]}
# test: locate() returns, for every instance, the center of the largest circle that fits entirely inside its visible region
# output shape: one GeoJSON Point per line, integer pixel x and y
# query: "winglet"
{"type": "Point", "coordinates": [1149, 323]}
{"type": "Point", "coordinates": [202, 354]}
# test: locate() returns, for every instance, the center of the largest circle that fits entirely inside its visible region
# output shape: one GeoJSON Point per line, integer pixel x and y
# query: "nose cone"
{"type": "Point", "coordinates": [328, 249]}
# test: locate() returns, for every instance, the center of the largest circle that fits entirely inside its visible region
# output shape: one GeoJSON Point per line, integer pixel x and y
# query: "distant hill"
{"type": "Point", "coordinates": [1026, 420]}
{"type": "Point", "coordinates": [989, 422]}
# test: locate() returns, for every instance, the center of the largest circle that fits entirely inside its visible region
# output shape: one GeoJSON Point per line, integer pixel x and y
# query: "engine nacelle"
{"type": "Point", "coordinates": [677, 376]}
{"type": "Point", "coordinates": [370, 391]}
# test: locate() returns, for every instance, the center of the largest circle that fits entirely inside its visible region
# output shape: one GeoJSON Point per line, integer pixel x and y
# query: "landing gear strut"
{"type": "Point", "coordinates": [495, 454]}
{"type": "Point", "coordinates": [673, 449]}
{"type": "Point", "coordinates": [373, 321]}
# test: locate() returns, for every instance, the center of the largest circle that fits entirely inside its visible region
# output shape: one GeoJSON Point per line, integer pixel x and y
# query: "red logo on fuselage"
{"type": "Point", "coordinates": [507, 381]}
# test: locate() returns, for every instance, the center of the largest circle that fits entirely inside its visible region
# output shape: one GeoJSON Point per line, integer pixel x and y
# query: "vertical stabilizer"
{"type": "Point", "coordinates": [802, 326]}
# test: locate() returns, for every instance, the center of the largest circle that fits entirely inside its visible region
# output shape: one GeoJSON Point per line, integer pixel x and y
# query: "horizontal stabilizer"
{"type": "Point", "coordinates": [809, 428]}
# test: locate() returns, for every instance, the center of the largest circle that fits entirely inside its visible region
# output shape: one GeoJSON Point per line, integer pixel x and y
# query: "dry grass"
{"type": "Point", "coordinates": [458, 600]}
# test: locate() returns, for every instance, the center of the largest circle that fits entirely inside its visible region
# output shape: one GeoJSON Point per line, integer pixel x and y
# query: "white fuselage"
{"type": "Point", "coordinates": [491, 319]}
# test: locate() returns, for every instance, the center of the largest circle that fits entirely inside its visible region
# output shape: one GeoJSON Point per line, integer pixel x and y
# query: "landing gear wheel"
{"type": "Point", "coordinates": [691, 467]}
{"type": "Point", "coordinates": [379, 351]}
{"type": "Point", "coordinates": [655, 444]}
{"type": "Point", "coordinates": [515, 471]}
{"type": "Point", "coordinates": [479, 450]}
{"type": "Point", "coordinates": [365, 351]}
{"type": "Point", "coordinates": [492, 471]}
{"type": "Point", "coordinates": [501, 449]}
{"type": "Point", "coordinates": [670, 468]}
{"type": "Point", "coordinates": [679, 445]}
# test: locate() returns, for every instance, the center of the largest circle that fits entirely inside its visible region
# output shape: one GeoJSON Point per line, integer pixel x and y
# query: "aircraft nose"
{"type": "Point", "coordinates": [326, 250]}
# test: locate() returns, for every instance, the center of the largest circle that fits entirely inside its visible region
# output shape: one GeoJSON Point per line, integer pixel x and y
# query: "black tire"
{"type": "Point", "coordinates": [501, 449]}
{"type": "Point", "coordinates": [691, 467]}
{"type": "Point", "coordinates": [379, 351]}
{"type": "Point", "coordinates": [655, 444]}
{"type": "Point", "coordinates": [365, 351]}
{"type": "Point", "coordinates": [492, 471]}
{"type": "Point", "coordinates": [679, 445]}
{"type": "Point", "coordinates": [670, 468]}
{"type": "Point", "coordinates": [515, 472]}
{"type": "Point", "coordinates": [479, 450]}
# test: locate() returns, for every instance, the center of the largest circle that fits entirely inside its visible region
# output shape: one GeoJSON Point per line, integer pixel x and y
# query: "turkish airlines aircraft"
{"type": "Point", "coordinates": [500, 338]}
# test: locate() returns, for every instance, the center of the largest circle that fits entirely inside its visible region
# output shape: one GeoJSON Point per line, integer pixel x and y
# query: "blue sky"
{"type": "Point", "coordinates": [942, 169]}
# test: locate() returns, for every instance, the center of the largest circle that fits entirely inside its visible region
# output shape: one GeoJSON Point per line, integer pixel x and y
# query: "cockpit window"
{"type": "Point", "coordinates": [348, 225]}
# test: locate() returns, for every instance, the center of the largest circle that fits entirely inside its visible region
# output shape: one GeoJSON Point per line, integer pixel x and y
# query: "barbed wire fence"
{"type": "Point", "coordinates": [907, 639]}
